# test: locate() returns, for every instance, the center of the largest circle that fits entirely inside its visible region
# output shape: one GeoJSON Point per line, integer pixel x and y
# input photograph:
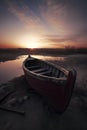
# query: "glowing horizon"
{"type": "Point", "coordinates": [43, 24]}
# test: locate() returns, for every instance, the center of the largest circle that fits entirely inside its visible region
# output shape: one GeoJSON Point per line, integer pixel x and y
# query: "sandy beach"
{"type": "Point", "coordinates": [39, 115]}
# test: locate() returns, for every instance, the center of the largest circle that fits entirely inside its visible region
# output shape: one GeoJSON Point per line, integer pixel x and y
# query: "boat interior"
{"type": "Point", "coordinates": [43, 68]}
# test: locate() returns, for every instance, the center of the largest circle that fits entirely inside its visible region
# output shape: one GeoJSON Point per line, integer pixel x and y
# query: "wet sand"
{"type": "Point", "coordinates": [39, 115]}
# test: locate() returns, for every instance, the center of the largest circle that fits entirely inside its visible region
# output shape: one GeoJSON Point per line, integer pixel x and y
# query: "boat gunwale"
{"type": "Point", "coordinates": [63, 86]}
{"type": "Point", "coordinates": [45, 77]}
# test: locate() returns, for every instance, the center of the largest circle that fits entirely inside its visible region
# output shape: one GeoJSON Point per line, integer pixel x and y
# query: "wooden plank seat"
{"type": "Point", "coordinates": [40, 70]}
{"type": "Point", "coordinates": [33, 67]}
{"type": "Point", "coordinates": [48, 72]}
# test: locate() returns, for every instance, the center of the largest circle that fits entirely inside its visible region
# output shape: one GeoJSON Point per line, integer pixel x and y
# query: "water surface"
{"type": "Point", "coordinates": [13, 68]}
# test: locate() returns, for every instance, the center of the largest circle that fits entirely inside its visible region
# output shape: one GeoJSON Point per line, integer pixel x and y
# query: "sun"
{"type": "Point", "coordinates": [33, 45]}
{"type": "Point", "coordinates": [33, 42]}
{"type": "Point", "coordinates": [30, 42]}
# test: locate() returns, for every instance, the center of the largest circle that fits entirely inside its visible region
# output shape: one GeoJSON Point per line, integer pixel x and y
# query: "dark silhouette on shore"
{"type": "Point", "coordinates": [13, 53]}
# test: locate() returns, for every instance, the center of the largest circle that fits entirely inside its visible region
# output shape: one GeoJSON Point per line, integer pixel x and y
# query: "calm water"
{"type": "Point", "coordinates": [13, 68]}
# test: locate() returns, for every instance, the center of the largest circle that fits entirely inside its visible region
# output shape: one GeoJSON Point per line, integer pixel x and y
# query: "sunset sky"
{"type": "Point", "coordinates": [43, 23]}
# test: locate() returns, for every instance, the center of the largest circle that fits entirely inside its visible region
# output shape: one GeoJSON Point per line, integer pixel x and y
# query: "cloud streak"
{"type": "Point", "coordinates": [46, 17]}
{"type": "Point", "coordinates": [30, 20]}
{"type": "Point", "coordinates": [57, 22]}
{"type": "Point", "coordinates": [49, 15]}
{"type": "Point", "coordinates": [64, 40]}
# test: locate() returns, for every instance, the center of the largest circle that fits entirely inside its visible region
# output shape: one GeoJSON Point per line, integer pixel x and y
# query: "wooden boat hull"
{"type": "Point", "coordinates": [57, 93]}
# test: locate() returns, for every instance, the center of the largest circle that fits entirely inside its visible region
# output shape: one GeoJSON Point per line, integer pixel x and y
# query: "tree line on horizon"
{"type": "Point", "coordinates": [44, 51]}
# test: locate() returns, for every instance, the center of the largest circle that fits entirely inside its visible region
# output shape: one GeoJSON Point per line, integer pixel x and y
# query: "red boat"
{"type": "Point", "coordinates": [52, 81]}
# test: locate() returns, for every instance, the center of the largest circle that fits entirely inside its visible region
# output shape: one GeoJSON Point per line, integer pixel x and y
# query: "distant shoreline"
{"type": "Point", "coordinates": [11, 54]}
